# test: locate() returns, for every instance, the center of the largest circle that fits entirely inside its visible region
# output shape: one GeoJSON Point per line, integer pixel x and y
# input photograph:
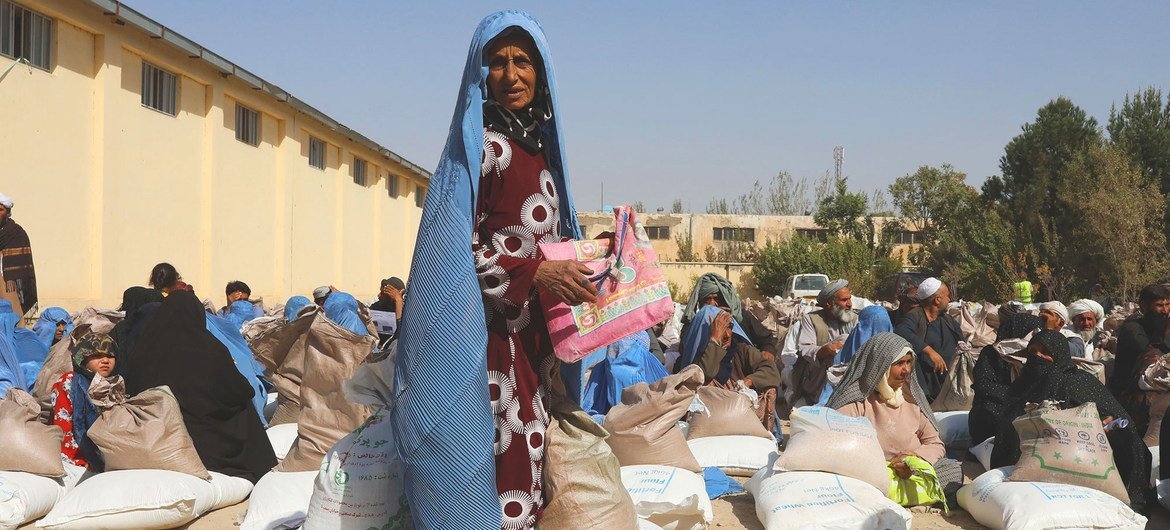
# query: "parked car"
{"type": "Point", "coordinates": [806, 286]}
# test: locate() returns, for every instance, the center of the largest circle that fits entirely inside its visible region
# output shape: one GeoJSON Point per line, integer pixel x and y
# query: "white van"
{"type": "Point", "coordinates": [806, 286]}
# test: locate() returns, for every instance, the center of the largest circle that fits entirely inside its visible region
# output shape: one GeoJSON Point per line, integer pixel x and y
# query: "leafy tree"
{"type": "Point", "coordinates": [718, 206]}
{"type": "Point", "coordinates": [686, 247]}
{"type": "Point", "coordinates": [864, 267]}
{"type": "Point", "coordinates": [842, 213]}
{"type": "Point", "coordinates": [677, 207]}
{"type": "Point", "coordinates": [1119, 221]}
{"type": "Point", "coordinates": [1142, 129]}
{"type": "Point", "coordinates": [1033, 175]}
{"type": "Point", "coordinates": [639, 207]}
{"type": "Point", "coordinates": [784, 195]}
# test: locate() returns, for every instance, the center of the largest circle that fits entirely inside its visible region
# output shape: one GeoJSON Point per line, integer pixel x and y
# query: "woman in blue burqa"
{"type": "Point", "coordinates": [474, 349]}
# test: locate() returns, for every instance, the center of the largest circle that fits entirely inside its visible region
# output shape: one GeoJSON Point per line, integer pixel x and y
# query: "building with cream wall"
{"type": "Point", "coordinates": [107, 186]}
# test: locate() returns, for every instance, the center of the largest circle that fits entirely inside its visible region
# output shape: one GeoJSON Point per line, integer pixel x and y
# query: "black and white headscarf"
{"type": "Point", "coordinates": [524, 125]}
{"type": "Point", "coordinates": [870, 366]}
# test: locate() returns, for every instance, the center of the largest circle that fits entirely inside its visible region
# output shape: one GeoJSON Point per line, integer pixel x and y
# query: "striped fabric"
{"type": "Point", "coordinates": [443, 419]}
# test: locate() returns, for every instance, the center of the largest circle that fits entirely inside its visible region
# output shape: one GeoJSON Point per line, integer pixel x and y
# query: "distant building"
{"type": "Point", "coordinates": [723, 232]}
{"type": "Point", "coordinates": [126, 144]}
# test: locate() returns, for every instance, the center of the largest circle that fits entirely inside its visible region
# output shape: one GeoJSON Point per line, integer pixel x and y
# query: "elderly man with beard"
{"type": "Point", "coordinates": [16, 261]}
{"type": "Point", "coordinates": [1088, 319]}
{"type": "Point", "coordinates": [822, 334]}
{"type": "Point", "coordinates": [1141, 340]}
{"type": "Point", "coordinates": [933, 334]}
{"type": "Point", "coordinates": [1055, 317]}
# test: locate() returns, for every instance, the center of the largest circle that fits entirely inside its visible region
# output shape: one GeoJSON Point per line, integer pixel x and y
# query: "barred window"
{"type": "Point", "coordinates": [658, 232]}
{"type": "Point", "coordinates": [734, 234]}
{"type": "Point", "coordinates": [420, 196]}
{"type": "Point", "coordinates": [316, 153]}
{"type": "Point", "coordinates": [247, 125]}
{"type": "Point", "coordinates": [359, 171]}
{"type": "Point", "coordinates": [25, 34]}
{"type": "Point", "coordinates": [392, 185]}
{"type": "Point", "coordinates": [819, 234]}
{"type": "Point", "coordinates": [906, 237]}
{"type": "Point", "coordinates": [159, 88]}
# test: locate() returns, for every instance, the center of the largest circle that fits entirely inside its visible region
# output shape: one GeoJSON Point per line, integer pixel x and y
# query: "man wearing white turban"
{"type": "Point", "coordinates": [933, 334]}
{"type": "Point", "coordinates": [1088, 319]}
{"type": "Point", "coordinates": [822, 334]}
{"type": "Point", "coordinates": [16, 260]}
{"type": "Point", "coordinates": [1056, 318]}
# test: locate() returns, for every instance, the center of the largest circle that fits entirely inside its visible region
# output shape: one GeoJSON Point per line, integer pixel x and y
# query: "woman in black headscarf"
{"type": "Point", "coordinates": [1050, 375]}
{"type": "Point", "coordinates": [177, 350]}
{"type": "Point", "coordinates": [992, 376]}
{"type": "Point", "coordinates": [139, 304]}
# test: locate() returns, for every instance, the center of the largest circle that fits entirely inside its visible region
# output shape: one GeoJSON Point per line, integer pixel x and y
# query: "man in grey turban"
{"type": "Point", "coordinates": [822, 334]}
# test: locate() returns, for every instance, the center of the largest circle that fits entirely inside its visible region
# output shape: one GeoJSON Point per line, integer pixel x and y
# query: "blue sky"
{"type": "Point", "coordinates": [695, 100]}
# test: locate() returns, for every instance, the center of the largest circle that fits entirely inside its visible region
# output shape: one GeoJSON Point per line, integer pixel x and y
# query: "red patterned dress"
{"type": "Point", "coordinates": [63, 418]}
{"type": "Point", "coordinates": [516, 211]}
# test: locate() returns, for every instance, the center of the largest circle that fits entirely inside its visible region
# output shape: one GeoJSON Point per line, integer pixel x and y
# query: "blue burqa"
{"type": "Point", "coordinates": [294, 306]}
{"type": "Point", "coordinates": [241, 312]}
{"type": "Point", "coordinates": [699, 332]}
{"type": "Point", "coordinates": [627, 363]}
{"type": "Point", "coordinates": [26, 348]}
{"type": "Point", "coordinates": [872, 320]}
{"type": "Point", "coordinates": [228, 333]}
{"type": "Point", "coordinates": [46, 326]}
{"type": "Point", "coordinates": [443, 424]}
{"type": "Point", "coordinates": [11, 373]}
{"type": "Point", "coordinates": [342, 309]}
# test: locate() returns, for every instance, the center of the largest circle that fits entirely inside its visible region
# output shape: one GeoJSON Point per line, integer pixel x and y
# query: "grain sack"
{"type": "Point", "coordinates": [804, 499]}
{"type": "Point", "coordinates": [359, 485]}
{"type": "Point", "coordinates": [672, 498]}
{"type": "Point", "coordinates": [60, 358]}
{"type": "Point", "coordinates": [143, 432]}
{"type": "Point", "coordinates": [997, 503]}
{"type": "Point", "coordinates": [822, 437]}
{"type": "Point", "coordinates": [1066, 447]}
{"type": "Point", "coordinates": [958, 390]}
{"type": "Point", "coordinates": [1156, 382]}
{"type": "Point", "coordinates": [982, 452]}
{"type": "Point", "coordinates": [725, 413]}
{"type": "Point", "coordinates": [738, 455]}
{"type": "Point", "coordinates": [582, 477]}
{"type": "Point", "coordinates": [143, 499]}
{"type": "Point", "coordinates": [954, 429]}
{"type": "Point", "coordinates": [26, 444]}
{"type": "Point", "coordinates": [25, 497]}
{"type": "Point", "coordinates": [643, 427]}
{"type": "Point", "coordinates": [279, 500]}
{"type": "Point", "coordinates": [281, 350]}
{"type": "Point", "coordinates": [331, 354]}
{"type": "Point", "coordinates": [282, 437]}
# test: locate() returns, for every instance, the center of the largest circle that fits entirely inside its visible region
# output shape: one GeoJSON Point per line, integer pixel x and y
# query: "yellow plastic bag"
{"type": "Point", "coordinates": [921, 489]}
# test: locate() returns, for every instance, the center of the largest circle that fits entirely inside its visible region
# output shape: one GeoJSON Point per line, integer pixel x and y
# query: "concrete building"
{"type": "Point", "coordinates": [126, 144]}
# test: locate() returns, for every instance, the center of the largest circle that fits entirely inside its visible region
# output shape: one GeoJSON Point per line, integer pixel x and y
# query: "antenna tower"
{"type": "Point", "coordinates": [838, 160]}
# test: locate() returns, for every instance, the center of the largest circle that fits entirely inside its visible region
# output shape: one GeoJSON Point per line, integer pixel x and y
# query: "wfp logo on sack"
{"type": "Point", "coordinates": [341, 478]}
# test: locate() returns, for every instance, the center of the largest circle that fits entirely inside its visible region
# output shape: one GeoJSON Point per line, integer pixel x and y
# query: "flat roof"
{"type": "Point", "coordinates": [193, 50]}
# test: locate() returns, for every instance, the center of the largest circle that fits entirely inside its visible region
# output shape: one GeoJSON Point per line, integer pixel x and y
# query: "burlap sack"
{"type": "Point", "coordinates": [281, 350]}
{"type": "Point", "coordinates": [644, 426]}
{"type": "Point", "coordinates": [958, 392]}
{"type": "Point", "coordinates": [60, 358]}
{"type": "Point", "coordinates": [1155, 381]}
{"type": "Point", "coordinates": [330, 354]}
{"type": "Point", "coordinates": [1066, 447]}
{"type": "Point", "coordinates": [582, 477]}
{"type": "Point", "coordinates": [142, 432]}
{"type": "Point", "coordinates": [727, 413]}
{"type": "Point", "coordinates": [26, 444]}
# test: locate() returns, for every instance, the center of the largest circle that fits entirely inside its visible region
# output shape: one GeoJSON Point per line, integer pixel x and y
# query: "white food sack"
{"type": "Point", "coordinates": [360, 483]}
{"type": "Point", "coordinates": [279, 500]}
{"type": "Point", "coordinates": [983, 451]}
{"type": "Point", "coordinates": [282, 438]}
{"type": "Point", "coordinates": [143, 499]}
{"type": "Point", "coordinates": [672, 498]}
{"type": "Point", "coordinates": [25, 497]}
{"type": "Point", "coordinates": [735, 455]}
{"type": "Point", "coordinates": [812, 499]}
{"type": "Point", "coordinates": [997, 503]}
{"type": "Point", "coordinates": [822, 437]}
{"type": "Point", "coordinates": [953, 429]}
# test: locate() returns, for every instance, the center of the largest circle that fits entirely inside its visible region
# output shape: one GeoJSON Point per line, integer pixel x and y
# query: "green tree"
{"type": "Point", "coordinates": [1142, 129]}
{"type": "Point", "coordinates": [677, 206]}
{"type": "Point", "coordinates": [1033, 175]}
{"type": "Point", "coordinates": [686, 247]}
{"type": "Point", "coordinates": [864, 267]}
{"type": "Point", "coordinates": [784, 195]}
{"type": "Point", "coordinates": [639, 207]}
{"type": "Point", "coordinates": [842, 213]}
{"type": "Point", "coordinates": [1119, 219]}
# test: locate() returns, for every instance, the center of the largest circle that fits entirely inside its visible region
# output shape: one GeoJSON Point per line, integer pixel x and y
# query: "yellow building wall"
{"type": "Point", "coordinates": [106, 187]}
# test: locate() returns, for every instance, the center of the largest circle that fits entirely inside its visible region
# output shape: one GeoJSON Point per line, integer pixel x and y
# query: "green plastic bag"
{"type": "Point", "coordinates": [921, 489]}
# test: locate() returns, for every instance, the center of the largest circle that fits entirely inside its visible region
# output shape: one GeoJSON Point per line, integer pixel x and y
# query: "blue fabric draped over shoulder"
{"type": "Point", "coordinates": [872, 320]}
{"type": "Point", "coordinates": [294, 306]}
{"type": "Point", "coordinates": [342, 309]}
{"type": "Point", "coordinates": [11, 373]}
{"type": "Point", "coordinates": [228, 333]}
{"type": "Point", "coordinates": [627, 363]}
{"type": "Point", "coordinates": [241, 312]}
{"type": "Point", "coordinates": [442, 419]}
{"type": "Point", "coordinates": [46, 326]}
{"type": "Point", "coordinates": [699, 332]}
